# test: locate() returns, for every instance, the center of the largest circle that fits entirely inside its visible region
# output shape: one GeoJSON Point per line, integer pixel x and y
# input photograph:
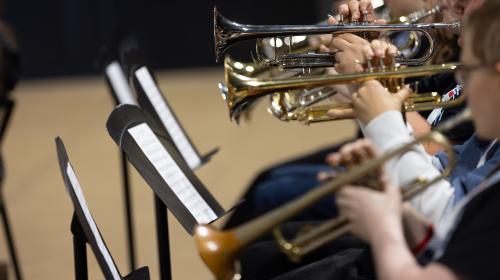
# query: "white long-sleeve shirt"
{"type": "Point", "coordinates": [388, 131]}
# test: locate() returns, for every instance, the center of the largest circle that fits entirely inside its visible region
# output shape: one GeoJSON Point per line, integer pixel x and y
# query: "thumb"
{"type": "Point", "coordinates": [340, 114]}
{"type": "Point", "coordinates": [332, 20]}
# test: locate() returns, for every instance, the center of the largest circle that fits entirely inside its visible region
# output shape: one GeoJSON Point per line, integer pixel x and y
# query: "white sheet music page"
{"type": "Point", "coordinates": [93, 227]}
{"type": "Point", "coordinates": [172, 174]}
{"type": "Point", "coordinates": [119, 83]}
{"type": "Point", "coordinates": [167, 118]}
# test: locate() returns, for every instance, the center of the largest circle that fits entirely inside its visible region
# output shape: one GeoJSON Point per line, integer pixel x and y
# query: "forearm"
{"type": "Point", "coordinates": [415, 226]}
{"type": "Point", "coordinates": [394, 261]}
{"type": "Point", "coordinates": [393, 258]}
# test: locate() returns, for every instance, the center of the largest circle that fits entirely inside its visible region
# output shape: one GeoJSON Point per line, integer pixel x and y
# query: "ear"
{"type": "Point", "coordinates": [497, 67]}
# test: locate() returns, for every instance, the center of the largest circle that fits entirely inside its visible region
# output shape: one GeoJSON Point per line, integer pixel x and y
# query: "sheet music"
{"type": "Point", "coordinates": [93, 227]}
{"type": "Point", "coordinates": [172, 174]}
{"type": "Point", "coordinates": [167, 118]}
{"type": "Point", "coordinates": [119, 83]}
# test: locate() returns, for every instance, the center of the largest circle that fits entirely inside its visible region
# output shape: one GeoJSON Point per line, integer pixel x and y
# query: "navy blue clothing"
{"type": "Point", "coordinates": [465, 175]}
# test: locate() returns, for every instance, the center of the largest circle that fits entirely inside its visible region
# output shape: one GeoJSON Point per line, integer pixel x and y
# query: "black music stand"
{"type": "Point", "coordinates": [7, 107]}
{"type": "Point", "coordinates": [130, 126]}
{"type": "Point", "coordinates": [85, 230]}
{"type": "Point", "coordinates": [154, 103]}
{"type": "Point", "coordinates": [9, 75]}
{"type": "Point", "coordinates": [120, 90]}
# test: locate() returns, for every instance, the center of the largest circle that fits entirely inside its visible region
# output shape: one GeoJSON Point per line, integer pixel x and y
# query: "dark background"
{"type": "Point", "coordinates": [63, 37]}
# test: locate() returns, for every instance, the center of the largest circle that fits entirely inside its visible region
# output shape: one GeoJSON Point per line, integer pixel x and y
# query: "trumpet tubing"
{"type": "Point", "coordinates": [242, 90]}
{"type": "Point", "coordinates": [326, 112]}
{"type": "Point", "coordinates": [228, 33]}
{"type": "Point", "coordinates": [295, 52]}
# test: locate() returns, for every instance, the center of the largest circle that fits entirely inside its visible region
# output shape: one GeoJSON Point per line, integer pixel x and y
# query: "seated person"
{"type": "Point", "coordinates": [286, 181]}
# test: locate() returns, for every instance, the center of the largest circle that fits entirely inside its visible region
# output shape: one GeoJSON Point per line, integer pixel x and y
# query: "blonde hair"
{"type": "Point", "coordinates": [484, 27]}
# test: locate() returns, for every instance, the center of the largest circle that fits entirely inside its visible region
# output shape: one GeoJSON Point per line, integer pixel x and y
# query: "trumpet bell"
{"type": "Point", "coordinates": [218, 250]}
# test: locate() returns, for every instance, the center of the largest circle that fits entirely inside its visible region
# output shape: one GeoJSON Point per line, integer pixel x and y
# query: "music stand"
{"type": "Point", "coordinates": [154, 103]}
{"type": "Point", "coordinates": [7, 107]}
{"type": "Point", "coordinates": [121, 93]}
{"type": "Point", "coordinates": [85, 230]}
{"type": "Point", "coordinates": [166, 172]}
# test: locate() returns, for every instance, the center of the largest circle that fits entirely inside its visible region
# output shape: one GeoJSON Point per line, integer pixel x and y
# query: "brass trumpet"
{"type": "Point", "coordinates": [243, 90]}
{"type": "Point", "coordinates": [227, 33]}
{"type": "Point", "coordinates": [219, 249]}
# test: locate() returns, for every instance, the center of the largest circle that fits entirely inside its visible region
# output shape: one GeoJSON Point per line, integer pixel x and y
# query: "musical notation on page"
{"type": "Point", "coordinates": [179, 138]}
{"type": "Point", "coordinates": [77, 190]}
{"type": "Point", "coordinates": [119, 83]}
{"type": "Point", "coordinates": [172, 174]}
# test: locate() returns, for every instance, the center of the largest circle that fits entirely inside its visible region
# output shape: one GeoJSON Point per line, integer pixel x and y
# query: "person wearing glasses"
{"type": "Point", "coordinates": [464, 245]}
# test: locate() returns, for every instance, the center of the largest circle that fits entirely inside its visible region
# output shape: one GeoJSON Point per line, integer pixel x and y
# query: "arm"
{"type": "Point", "coordinates": [377, 218]}
{"type": "Point", "coordinates": [420, 126]}
{"type": "Point", "coordinates": [381, 122]}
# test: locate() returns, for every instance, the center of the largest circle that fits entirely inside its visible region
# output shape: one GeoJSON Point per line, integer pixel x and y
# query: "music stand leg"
{"type": "Point", "coordinates": [79, 250]}
{"type": "Point", "coordinates": [163, 239]}
{"type": "Point", "coordinates": [128, 212]}
{"type": "Point", "coordinates": [10, 239]}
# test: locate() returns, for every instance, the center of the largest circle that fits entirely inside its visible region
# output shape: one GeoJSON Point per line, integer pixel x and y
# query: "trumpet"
{"type": "Point", "coordinates": [243, 90]}
{"type": "Point", "coordinates": [228, 33]}
{"type": "Point", "coordinates": [219, 249]}
{"type": "Point", "coordinates": [295, 52]}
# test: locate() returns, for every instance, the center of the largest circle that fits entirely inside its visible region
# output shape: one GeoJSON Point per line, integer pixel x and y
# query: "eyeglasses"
{"type": "Point", "coordinates": [462, 73]}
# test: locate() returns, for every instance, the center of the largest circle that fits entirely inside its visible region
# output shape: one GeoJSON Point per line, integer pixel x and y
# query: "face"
{"type": "Point", "coordinates": [482, 88]}
{"type": "Point", "coordinates": [454, 10]}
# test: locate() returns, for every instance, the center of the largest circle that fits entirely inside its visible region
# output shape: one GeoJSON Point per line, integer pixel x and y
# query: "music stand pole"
{"type": "Point", "coordinates": [163, 239]}
{"type": "Point", "coordinates": [128, 211]}
{"type": "Point", "coordinates": [9, 106]}
{"type": "Point", "coordinates": [80, 250]}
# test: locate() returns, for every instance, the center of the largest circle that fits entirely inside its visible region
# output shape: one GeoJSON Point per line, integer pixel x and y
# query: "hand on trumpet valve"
{"type": "Point", "coordinates": [371, 213]}
{"type": "Point", "coordinates": [372, 100]}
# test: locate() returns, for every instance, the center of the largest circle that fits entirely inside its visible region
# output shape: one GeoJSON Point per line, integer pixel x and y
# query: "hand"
{"type": "Point", "coordinates": [353, 153]}
{"type": "Point", "coordinates": [352, 10]}
{"type": "Point", "coordinates": [352, 52]}
{"type": "Point", "coordinates": [371, 213]}
{"type": "Point", "coordinates": [372, 100]}
{"type": "Point", "coordinates": [349, 55]}
{"type": "Point", "coordinates": [349, 155]}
